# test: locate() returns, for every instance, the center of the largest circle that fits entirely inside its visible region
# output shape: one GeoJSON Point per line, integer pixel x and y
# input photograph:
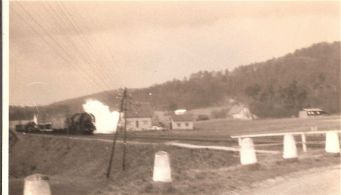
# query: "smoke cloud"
{"type": "Point", "coordinates": [106, 121]}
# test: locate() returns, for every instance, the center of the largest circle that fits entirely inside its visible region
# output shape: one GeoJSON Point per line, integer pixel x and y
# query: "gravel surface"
{"type": "Point", "coordinates": [322, 181]}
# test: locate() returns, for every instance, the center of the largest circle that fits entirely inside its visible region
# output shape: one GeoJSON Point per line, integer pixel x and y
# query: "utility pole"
{"type": "Point", "coordinates": [125, 109]}
{"type": "Point", "coordinates": [122, 110]}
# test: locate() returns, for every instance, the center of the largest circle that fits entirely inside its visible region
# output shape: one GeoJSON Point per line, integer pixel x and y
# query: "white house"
{"type": "Point", "coordinates": [183, 121]}
{"type": "Point", "coordinates": [311, 112]}
{"type": "Point", "coordinates": [241, 112]}
{"type": "Point", "coordinates": [139, 117]}
{"type": "Point", "coordinates": [139, 123]}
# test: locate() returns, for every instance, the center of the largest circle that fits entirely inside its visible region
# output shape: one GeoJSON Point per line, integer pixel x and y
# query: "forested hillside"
{"type": "Point", "coordinates": [308, 77]}
{"type": "Point", "coordinates": [276, 88]}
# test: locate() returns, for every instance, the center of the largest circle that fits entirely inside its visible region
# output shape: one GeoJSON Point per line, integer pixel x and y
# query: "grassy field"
{"type": "Point", "coordinates": [235, 127]}
{"type": "Point", "coordinates": [78, 166]}
{"type": "Point", "coordinates": [222, 129]}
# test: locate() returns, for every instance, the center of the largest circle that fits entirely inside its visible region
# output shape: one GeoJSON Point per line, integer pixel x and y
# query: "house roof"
{"type": "Point", "coordinates": [140, 110]}
{"type": "Point", "coordinates": [312, 109]}
{"type": "Point", "coordinates": [182, 117]}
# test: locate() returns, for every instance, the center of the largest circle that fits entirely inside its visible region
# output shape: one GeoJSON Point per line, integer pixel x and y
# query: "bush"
{"type": "Point", "coordinates": [219, 113]}
{"type": "Point", "coordinates": [202, 117]}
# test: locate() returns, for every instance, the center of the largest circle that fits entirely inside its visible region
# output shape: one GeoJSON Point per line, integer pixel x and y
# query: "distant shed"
{"type": "Point", "coordinates": [311, 112]}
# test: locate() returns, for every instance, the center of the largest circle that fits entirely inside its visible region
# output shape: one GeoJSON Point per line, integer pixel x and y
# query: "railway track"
{"type": "Point", "coordinates": [154, 138]}
{"type": "Point", "coordinates": [226, 140]}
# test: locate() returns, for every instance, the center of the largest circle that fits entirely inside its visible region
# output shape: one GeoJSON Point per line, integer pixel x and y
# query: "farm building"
{"type": "Point", "coordinates": [311, 112]}
{"type": "Point", "coordinates": [139, 117]}
{"type": "Point", "coordinates": [242, 112]}
{"type": "Point", "coordinates": [183, 121]}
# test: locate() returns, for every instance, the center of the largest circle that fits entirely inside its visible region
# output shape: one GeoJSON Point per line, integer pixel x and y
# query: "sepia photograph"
{"type": "Point", "coordinates": [171, 97]}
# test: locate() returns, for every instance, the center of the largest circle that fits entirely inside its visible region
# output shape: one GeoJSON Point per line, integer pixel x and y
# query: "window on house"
{"type": "Point", "coordinates": [186, 124]}
{"type": "Point", "coordinates": [178, 124]}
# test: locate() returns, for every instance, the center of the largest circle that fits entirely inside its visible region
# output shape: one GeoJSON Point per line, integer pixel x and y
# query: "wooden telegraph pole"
{"type": "Point", "coordinates": [123, 108]}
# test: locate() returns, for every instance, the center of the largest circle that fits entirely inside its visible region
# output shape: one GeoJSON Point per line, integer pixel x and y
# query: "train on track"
{"type": "Point", "coordinates": [79, 123]}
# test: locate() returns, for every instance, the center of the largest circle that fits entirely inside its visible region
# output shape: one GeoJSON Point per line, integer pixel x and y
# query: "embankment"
{"type": "Point", "coordinates": [78, 166]}
{"type": "Point", "coordinates": [78, 160]}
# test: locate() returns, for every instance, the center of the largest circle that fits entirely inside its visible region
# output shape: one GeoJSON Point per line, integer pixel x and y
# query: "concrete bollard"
{"type": "Point", "coordinates": [332, 142]}
{"type": "Point", "coordinates": [247, 152]}
{"type": "Point", "coordinates": [37, 184]}
{"type": "Point", "coordinates": [289, 147]}
{"type": "Point", "coordinates": [304, 142]}
{"type": "Point", "coordinates": [162, 169]}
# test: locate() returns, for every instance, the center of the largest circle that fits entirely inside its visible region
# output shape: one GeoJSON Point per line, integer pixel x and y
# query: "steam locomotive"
{"type": "Point", "coordinates": [79, 123]}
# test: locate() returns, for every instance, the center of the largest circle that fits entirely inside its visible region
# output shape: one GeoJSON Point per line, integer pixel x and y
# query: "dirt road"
{"type": "Point", "coordinates": [323, 181]}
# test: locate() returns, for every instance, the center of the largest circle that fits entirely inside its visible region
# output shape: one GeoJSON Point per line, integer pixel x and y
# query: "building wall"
{"type": "Point", "coordinates": [302, 114]}
{"type": "Point", "coordinates": [310, 114]}
{"type": "Point", "coordinates": [138, 124]}
{"type": "Point", "coordinates": [182, 124]}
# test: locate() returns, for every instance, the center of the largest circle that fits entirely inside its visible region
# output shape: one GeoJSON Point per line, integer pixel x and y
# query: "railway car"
{"type": "Point", "coordinates": [79, 123]}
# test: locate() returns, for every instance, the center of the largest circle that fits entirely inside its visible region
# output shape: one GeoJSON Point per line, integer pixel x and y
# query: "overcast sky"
{"type": "Point", "coordinates": [60, 50]}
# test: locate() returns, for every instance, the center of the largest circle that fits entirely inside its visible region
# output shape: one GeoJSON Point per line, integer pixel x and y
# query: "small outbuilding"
{"type": "Point", "coordinates": [182, 121]}
{"type": "Point", "coordinates": [311, 112]}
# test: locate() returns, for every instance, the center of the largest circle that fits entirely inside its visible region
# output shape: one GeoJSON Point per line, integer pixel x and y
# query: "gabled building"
{"type": "Point", "coordinates": [182, 121]}
{"type": "Point", "coordinates": [139, 117]}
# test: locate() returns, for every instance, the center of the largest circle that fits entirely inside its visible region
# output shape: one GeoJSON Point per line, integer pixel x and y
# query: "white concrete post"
{"type": "Point", "coordinates": [239, 141]}
{"type": "Point", "coordinates": [304, 144]}
{"type": "Point", "coordinates": [247, 152]}
{"type": "Point", "coordinates": [332, 142]}
{"type": "Point", "coordinates": [289, 147]}
{"type": "Point", "coordinates": [162, 169]}
{"type": "Point", "coordinates": [37, 184]}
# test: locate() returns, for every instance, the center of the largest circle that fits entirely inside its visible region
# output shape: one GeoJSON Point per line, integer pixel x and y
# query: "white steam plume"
{"type": "Point", "coordinates": [106, 121]}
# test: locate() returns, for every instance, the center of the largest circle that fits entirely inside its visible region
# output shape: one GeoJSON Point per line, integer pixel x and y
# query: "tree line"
{"type": "Point", "coordinates": [279, 87]}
